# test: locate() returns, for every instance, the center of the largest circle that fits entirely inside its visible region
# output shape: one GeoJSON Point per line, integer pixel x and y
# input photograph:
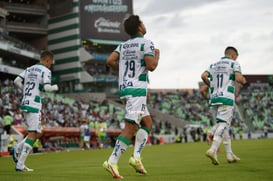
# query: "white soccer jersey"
{"type": "Point", "coordinates": [133, 76]}
{"type": "Point", "coordinates": [222, 81]}
{"type": "Point", "coordinates": [34, 77]}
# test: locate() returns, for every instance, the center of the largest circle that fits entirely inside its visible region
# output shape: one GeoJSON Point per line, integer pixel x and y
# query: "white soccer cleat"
{"type": "Point", "coordinates": [23, 169]}
{"type": "Point", "coordinates": [213, 157]}
{"type": "Point", "coordinates": [231, 158]}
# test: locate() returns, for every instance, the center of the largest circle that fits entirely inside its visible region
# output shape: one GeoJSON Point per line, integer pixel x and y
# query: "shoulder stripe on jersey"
{"type": "Point", "coordinates": [232, 64]}
{"type": "Point", "coordinates": [142, 47]}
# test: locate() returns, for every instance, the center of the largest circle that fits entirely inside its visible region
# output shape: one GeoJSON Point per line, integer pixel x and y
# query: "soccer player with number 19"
{"type": "Point", "coordinates": [134, 59]}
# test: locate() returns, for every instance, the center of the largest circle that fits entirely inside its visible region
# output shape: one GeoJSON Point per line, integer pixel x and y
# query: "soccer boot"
{"type": "Point", "coordinates": [23, 168]}
{"type": "Point", "coordinates": [112, 169]}
{"type": "Point", "coordinates": [213, 157]}
{"type": "Point", "coordinates": [14, 154]}
{"type": "Point", "coordinates": [137, 165]}
{"type": "Point", "coordinates": [231, 158]}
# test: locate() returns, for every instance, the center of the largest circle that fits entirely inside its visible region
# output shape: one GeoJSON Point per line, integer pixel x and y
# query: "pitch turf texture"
{"type": "Point", "coordinates": [171, 162]}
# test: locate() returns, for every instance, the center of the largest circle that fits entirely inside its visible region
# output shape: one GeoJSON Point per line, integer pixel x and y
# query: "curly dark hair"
{"type": "Point", "coordinates": [131, 25]}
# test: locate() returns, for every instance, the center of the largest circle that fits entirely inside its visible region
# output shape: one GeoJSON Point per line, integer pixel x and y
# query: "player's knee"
{"type": "Point", "coordinates": [147, 122]}
{"type": "Point", "coordinates": [220, 129]}
{"type": "Point", "coordinates": [226, 136]}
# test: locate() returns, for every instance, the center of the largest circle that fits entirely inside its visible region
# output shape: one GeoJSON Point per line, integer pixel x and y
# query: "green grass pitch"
{"type": "Point", "coordinates": [170, 162]}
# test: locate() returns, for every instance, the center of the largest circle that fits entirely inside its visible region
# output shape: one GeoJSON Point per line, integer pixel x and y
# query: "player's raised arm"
{"type": "Point", "coordinates": [112, 60]}
{"type": "Point", "coordinates": [18, 82]}
{"type": "Point", "coordinates": [204, 92]}
{"type": "Point", "coordinates": [240, 78]}
{"type": "Point", "coordinates": [205, 78]}
{"type": "Point", "coordinates": [152, 61]}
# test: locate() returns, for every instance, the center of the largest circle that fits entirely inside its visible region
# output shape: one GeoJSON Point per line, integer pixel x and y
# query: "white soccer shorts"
{"type": "Point", "coordinates": [136, 108]}
{"type": "Point", "coordinates": [225, 113]}
{"type": "Point", "coordinates": [33, 121]}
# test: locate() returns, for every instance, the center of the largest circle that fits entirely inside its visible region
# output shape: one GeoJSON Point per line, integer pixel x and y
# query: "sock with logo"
{"type": "Point", "coordinates": [27, 147]}
{"type": "Point", "coordinates": [140, 141]}
{"type": "Point", "coordinates": [121, 145]}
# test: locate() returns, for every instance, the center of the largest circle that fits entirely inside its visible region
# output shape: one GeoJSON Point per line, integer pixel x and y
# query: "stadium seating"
{"type": "Point", "coordinates": [257, 106]}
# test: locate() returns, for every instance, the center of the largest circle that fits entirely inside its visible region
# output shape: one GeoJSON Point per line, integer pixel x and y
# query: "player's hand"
{"type": "Point", "coordinates": [55, 87]}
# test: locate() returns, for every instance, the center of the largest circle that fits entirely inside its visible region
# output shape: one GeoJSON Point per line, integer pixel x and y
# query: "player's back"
{"type": "Point", "coordinates": [222, 81]}
{"type": "Point", "coordinates": [34, 79]}
{"type": "Point", "coordinates": [132, 70]}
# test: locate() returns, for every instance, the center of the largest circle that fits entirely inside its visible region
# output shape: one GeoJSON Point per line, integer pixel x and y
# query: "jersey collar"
{"type": "Point", "coordinates": [41, 64]}
{"type": "Point", "coordinates": [225, 57]}
{"type": "Point", "coordinates": [137, 36]}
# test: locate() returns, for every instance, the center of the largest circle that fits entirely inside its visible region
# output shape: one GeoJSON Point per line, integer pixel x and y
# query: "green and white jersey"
{"type": "Point", "coordinates": [222, 81]}
{"type": "Point", "coordinates": [34, 77]}
{"type": "Point", "coordinates": [133, 75]}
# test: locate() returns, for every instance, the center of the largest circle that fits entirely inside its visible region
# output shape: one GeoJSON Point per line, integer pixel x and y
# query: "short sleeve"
{"type": "Point", "coordinates": [22, 74]}
{"type": "Point", "coordinates": [149, 49]}
{"type": "Point", "coordinates": [118, 49]}
{"type": "Point", "coordinates": [47, 76]}
{"type": "Point", "coordinates": [237, 67]}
